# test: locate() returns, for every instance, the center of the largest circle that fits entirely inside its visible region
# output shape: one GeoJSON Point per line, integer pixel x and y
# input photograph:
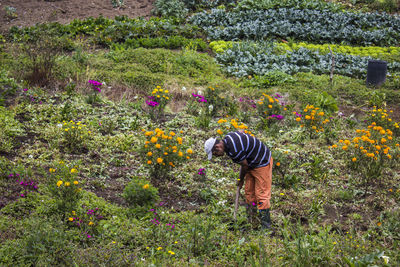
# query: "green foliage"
{"type": "Point", "coordinates": [139, 192]}
{"type": "Point", "coordinates": [9, 129]}
{"type": "Point", "coordinates": [172, 42]}
{"type": "Point", "coordinates": [171, 8]}
{"type": "Point", "coordinates": [8, 87]}
{"type": "Point", "coordinates": [268, 79]}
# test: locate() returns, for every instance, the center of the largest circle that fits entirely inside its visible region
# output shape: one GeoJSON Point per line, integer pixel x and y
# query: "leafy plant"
{"type": "Point", "coordinates": [9, 129]}
{"type": "Point", "coordinates": [75, 135]}
{"type": "Point", "coordinates": [65, 187]}
{"type": "Point", "coordinates": [139, 192]}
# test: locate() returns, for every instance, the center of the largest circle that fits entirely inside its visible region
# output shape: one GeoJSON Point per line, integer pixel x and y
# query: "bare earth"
{"type": "Point", "coordinates": [31, 12]}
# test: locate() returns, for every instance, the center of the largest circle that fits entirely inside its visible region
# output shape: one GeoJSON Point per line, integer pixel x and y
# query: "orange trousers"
{"type": "Point", "coordinates": [257, 186]}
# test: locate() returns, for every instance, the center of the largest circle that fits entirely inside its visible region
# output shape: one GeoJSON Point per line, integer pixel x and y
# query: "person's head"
{"type": "Point", "coordinates": [214, 147]}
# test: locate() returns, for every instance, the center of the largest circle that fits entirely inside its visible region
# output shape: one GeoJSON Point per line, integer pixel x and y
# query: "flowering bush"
{"type": "Point", "coordinates": [383, 118]}
{"type": "Point", "coordinates": [93, 96]}
{"type": "Point", "coordinates": [86, 221]}
{"type": "Point", "coordinates": [65, 187]}
{"type": "Point", "coordinates": [369, 152]}
{"type": "Point", "coordinates": [157, 101]}
{"type": "Point", "coordinates": [230, 126]}
{"type": "Point", "coordinates": [270, 109]}
{"type": "Point", "coordinates": [74, 134]}
{"type": "Point", "coordinates": [313, 120]}
{"type": "Point", "coordinates": [139, 192]}
{"type": "Point", "coordinates": [163, 151]}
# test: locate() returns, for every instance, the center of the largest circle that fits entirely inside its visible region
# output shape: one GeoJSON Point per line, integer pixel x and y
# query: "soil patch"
{"type": "Point", "coordinates": [25, 13]}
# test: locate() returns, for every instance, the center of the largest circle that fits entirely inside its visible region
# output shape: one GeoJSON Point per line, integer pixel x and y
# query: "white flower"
{"type": "Point", "coordinates": [59, 125]}
{"type": "Point", "coordinates": [183, 88]}
{"type": "Point", "coordinates": [210, 107]}
{"type": "Point", "coordinates": [385, 259]}
{"type": "Point", "coordinates": [199, 92]}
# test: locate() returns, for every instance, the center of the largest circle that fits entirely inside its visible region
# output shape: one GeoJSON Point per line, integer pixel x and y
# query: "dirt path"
{"type": "Point", "coordinates": [30, 12]}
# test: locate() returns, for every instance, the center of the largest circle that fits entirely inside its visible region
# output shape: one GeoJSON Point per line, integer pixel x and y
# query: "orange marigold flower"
{"type": "Point", "coordinates": [159, 160]}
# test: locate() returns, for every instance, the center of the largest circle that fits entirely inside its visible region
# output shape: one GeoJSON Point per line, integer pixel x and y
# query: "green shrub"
{"type": "Point", "coordinates": [9, 129]}
{"type": "Point", "coordinates": [139, 192]}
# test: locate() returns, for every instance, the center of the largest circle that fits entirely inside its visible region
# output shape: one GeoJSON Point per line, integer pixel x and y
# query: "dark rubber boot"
{"type": "Point", "coordinates": [265, 218]}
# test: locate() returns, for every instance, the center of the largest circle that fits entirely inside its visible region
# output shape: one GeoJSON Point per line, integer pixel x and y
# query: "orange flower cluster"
{"type": "Point", "coordinates": [372, 144]}
{"type": "Point", "coordinates": [382, 117]}
{"type": "Point", "coordinates": [163, 150]}
{"type": "Point", "coordinates": [313, 119]}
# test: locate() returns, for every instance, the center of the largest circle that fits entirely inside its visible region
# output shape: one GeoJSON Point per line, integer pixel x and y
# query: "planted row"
{"type": "Point", "coordinates": [249, 59]}
{"type": "Point", "coordinates": [307, 25]}
{"type": "Point", "coordinates": [106, 31]}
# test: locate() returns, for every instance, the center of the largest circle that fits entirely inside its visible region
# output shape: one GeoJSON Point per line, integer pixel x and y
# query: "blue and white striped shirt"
{"type": "Point", "coordinates": [240, 146]}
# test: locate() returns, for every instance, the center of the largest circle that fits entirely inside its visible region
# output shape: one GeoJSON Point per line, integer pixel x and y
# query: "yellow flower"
{"type": "Point", "coordinates": [158, 146]}
{"type": "Point", "coordinates": [73, 212]}
{"type": "Point", "coordinates": [59, 183]}
{"type": "Point", "coordinates": [278, 164]}
{"type": "Point", "coordinates": [189, 151]}
{"type": "Point", "coordinates": [179, 139]}
{"type": "Point", "coordinates": [149, 154]}
{"type": "Point", "coordinates": [298, 119]}
{"type": "Point", "coordinates": [52, 170]}
{"type": "Point", "coordinates": [308, 117]}
{"type": "Point", "coordinates": [159, 160]}
{"type": "Point", "coordinates": [148, 133]}
{"type": "Point", "coordinates": [354, 159]}
{"type": "Point", "coordinates": [269, 106]}
{"type": "Point", "coordinates": [146, 186]}
{"type": "Point", "coordinates": [219, 131]}
{"type": "Point", "coordinates": [149, 162]}
{"type": "Point", "coordinates": [172, 134]}
{"type": "Point", "coordinates": [70, 219]}
{"type": "Point", "coordinates": [90, 223]}
{"type": "Point", "coordinates": [74, 170]}
{"type": "Point", "coordinates": [379, 224]}
{"type": "Point", "coordinates": [180, 154]}
{"type": "Point", "coordinates": [67, 183]}
{"type": "Point", "coordinates": [282, 194]}
{"type": "Point", "coordinates": [344, 147]}
{"type": "Point", "coordinates": [76, 182]}
{"type": "Point", "coordinates": [159, 248]}
{"type": "Point", "coordinates": [171, 252]}
{"type": "Point", "coordinates": [154, 139]}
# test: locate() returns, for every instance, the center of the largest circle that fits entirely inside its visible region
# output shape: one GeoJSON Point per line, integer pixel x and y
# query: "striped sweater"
{"type": "Point", "coordinates": [240, 146]}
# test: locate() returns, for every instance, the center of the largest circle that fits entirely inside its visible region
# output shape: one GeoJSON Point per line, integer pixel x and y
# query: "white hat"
{"type": "Point", "coordinates": [208, 145]}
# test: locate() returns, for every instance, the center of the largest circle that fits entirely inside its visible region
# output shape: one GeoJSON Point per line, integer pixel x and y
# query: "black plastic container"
{"type": "Point", "coordinates": [376, 72]}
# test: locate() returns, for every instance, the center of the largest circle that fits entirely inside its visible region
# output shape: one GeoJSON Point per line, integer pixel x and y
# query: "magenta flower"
{"type": "Point", "coordinates": [152, 103]}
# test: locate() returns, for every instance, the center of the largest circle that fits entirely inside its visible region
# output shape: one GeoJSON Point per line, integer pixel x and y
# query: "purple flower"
{"type": "Point", "coordinates": [152, 103]}
{"type": "Point", "coordinates": [278, 95]}
{"type": "Point", "coordinates": [277, 116]}
{"type": "Point", "coordinates": [26, 89]}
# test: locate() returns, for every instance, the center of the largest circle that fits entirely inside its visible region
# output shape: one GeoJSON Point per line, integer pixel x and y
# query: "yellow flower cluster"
{"type": "Point", "coordinates": [160, 94]}
{"type": "Point", "coordinates": [374, 143]}
{"type": "Point", "coordinates": [66, 184]}
{"type": "Point", "coordinates": [68, 126]}
{"type": "Point", "coordinates": [313, 119]}
{"type": "Point", "coordinates": [232, 125]}
{"type": "Point", "coordinates": [268, 106]}
{"type": "Point", "coordinates": [163, 149]}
